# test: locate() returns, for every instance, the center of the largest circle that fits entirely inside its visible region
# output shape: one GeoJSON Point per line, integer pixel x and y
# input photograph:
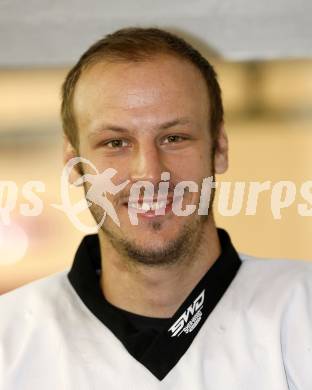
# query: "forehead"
{"type": "Point", "coordinates": [140, 93]}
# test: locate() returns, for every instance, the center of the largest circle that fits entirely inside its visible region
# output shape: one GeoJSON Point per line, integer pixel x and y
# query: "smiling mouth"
{"type": "Point", "coordinates": [150, 208]}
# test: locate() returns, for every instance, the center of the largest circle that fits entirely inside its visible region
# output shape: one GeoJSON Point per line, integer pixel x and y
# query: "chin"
{"type": "Point", "coordinates": [157, 243]}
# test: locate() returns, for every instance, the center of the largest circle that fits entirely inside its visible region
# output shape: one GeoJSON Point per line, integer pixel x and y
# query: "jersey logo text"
{"type": "Point", "coordinates": [185, 323]}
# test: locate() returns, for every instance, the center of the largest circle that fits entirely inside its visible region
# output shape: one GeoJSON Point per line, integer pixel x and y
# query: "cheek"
{"type": "Point", "coordinates": [193, 168]}
{"type": "Point", "coordinates": [102, 162]}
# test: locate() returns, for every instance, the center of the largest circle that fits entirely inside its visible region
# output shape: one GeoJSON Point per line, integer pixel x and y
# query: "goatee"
{"type": "Point", "coordinates": [183, 247]}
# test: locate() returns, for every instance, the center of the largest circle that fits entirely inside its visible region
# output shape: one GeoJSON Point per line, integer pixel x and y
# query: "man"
{"type": "Point", "coordinates": [166, 303]}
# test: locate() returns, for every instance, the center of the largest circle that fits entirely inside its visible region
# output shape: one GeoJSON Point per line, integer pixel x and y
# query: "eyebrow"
{"type": "Point", "coordinates": [175, 122]}
{"type": "Point", "coordinates": [163, 126]}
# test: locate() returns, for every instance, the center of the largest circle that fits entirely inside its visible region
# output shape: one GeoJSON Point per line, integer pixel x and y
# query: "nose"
{"type": "Point", "coordinates": [146, 163]}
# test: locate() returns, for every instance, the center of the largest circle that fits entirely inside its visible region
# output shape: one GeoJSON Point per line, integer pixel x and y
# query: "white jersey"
{"type": "Point", "coordinates": [257, 337]}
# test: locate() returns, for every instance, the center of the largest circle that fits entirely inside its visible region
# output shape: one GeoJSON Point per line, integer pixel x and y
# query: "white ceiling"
{"type": "Point", "coordinates": [55, 32]}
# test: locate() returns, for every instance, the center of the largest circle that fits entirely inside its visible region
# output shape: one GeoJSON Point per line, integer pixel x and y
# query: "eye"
{"type": "Point", "coordinates": [173, 139]}
{"type": "Point", "coordinates": [116, 143]}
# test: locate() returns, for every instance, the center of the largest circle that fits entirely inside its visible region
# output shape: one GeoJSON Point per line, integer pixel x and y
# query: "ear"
{"type": "Point", "coordinates": [69, 152]}
{"type": "Point", "coordinates": [221, 151]}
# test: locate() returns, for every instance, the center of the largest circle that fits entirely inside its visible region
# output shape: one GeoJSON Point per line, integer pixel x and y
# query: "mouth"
{"type": "Point", "coordinates": [150, 208]}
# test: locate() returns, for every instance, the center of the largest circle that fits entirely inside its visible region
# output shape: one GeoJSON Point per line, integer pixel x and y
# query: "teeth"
{"type": "Point", "coordinates": [157, 206]}
{"type": "Point", "coordinates": [146, 206]}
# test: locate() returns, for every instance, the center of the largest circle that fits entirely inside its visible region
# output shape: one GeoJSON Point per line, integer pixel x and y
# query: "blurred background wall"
{"type": "Point", "coordinates": [262, 54]}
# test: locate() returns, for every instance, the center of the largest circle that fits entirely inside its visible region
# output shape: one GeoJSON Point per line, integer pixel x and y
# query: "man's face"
{"type": "Point", "coordinates": [143, 119]}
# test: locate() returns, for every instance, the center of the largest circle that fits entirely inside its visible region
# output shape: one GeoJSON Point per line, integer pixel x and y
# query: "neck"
{"type": "Point", "coordinates": [155, 291]}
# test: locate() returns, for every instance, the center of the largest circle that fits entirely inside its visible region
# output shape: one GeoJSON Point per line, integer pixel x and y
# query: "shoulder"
{"type": "Point", "coordinates": [34, 299]}
{"type": "Point", "coordinates": [277, 295]}
{"type": "Point", "coordinates": [49, 284]}
{"type": "Point", "coordinates": [290, 270]}
{"type": "Point", "coordinates": [35, 320]}
{"type": "Point", "coordinates": [275, 282]}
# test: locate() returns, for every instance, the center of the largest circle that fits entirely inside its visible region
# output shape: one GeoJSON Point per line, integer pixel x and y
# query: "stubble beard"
{"type": "Point", "coordinates": [184, 246]}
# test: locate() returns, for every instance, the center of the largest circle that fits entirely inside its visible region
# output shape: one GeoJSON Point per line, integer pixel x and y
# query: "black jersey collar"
{"type": "Point", "coordinates": [161, 343]}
